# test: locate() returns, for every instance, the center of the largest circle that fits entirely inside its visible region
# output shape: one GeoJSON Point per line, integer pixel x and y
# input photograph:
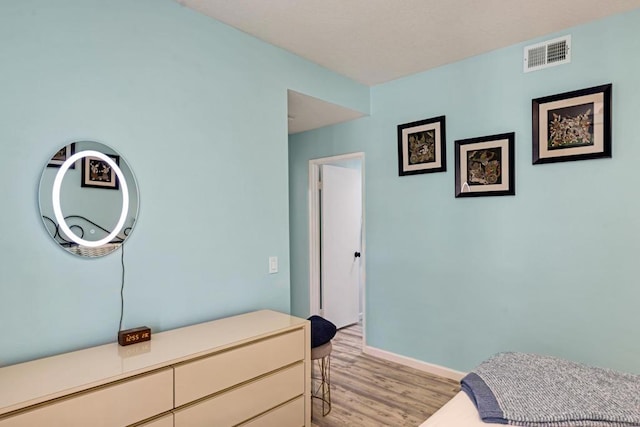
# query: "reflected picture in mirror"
{"type": "Point", "coordinates": [96, 210]}
{"type": "Point", "coordinates": [61, 155]}
{"type": "Point", "coordinates": [97, 173]}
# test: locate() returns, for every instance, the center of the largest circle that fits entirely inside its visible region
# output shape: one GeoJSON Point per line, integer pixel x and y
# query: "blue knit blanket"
{"type": "Point", "coordinates": [543, 391]}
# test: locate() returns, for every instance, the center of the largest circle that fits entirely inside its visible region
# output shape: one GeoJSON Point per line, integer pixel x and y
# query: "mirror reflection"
{"type": "Point", "coordinates": [91, 199]}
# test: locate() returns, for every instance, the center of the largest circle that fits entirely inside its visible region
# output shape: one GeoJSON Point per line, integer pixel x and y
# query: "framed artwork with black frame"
{"type": "Point", "coordinates": [485, 166]}
{"type": "Point", "coordinates": [62, 155]}
{"type": "Point", "coordinates": [422, 147]}
{"type": "Point", "coordinates": [97, 173]}
{"type": "Point", "coordinates": [572, 126]}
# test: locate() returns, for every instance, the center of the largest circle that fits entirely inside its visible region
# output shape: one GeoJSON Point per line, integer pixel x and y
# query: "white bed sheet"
{"type": "Point", "coordinates": [458, 412]}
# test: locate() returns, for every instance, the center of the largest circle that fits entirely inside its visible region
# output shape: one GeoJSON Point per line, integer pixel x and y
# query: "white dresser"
{"type": "Point", "coordinates": [250, 370]}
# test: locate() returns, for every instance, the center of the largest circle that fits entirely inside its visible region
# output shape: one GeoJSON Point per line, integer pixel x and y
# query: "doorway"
{"type": "Point", "coordinates": [337, 261]}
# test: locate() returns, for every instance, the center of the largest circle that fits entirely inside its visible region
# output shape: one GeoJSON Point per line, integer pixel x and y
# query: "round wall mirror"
{"type": "Point", "coordinates": [88, 199]}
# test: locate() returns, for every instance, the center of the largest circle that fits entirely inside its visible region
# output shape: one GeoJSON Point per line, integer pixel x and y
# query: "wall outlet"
{"type": "Point", "coordinates": [273, 264]}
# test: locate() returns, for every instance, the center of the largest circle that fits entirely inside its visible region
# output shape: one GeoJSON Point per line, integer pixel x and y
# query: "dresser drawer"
{"type": "Point", "coordinates": [245, 402]}
{"type": "Point", "coordinates": [194, 380]}
{"type": "Point", "coordinates": [290, 414]}
{"type": "Point", "coordinates": [121, 404]}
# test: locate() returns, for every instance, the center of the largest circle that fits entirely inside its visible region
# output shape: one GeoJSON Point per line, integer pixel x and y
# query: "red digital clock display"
{"type": "Point", "coordinates": [133, 336]}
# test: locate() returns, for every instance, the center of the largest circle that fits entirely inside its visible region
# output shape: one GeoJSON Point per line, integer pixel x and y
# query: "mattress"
{"type": "Point", "coordinates": [458, 412]}
{"type": "Point", "coordinates": [105, 249]}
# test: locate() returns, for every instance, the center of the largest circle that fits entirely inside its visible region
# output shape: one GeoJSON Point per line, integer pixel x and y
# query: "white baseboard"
{"type": "Point", "coordinates": [414, 363]}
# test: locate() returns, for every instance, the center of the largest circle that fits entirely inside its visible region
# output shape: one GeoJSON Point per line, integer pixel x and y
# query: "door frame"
{"type": "Point", "coordinates": [314, 233]}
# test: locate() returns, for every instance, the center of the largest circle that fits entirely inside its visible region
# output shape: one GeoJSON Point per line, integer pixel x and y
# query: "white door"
{"type": "Point", "coordinates": [341, 213]}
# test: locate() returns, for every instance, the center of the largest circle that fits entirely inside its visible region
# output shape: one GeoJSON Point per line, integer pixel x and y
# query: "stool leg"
{"type": "Point", "coordinates": [322, 390]}
{"type": "Point", "coordinates": [326, 384]}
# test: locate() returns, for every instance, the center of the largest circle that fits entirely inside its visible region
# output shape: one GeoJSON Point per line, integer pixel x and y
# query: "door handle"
{"type": "Point", "coordinates": [356, 255]}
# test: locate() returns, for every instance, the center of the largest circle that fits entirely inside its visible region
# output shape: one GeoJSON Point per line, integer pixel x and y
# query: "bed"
{"type": "Point", "coordinates": [458, 412]}
{"type": "Point", "coordinates": [79, 224]}
{"type": "Point", "coordinates": [531, 390]}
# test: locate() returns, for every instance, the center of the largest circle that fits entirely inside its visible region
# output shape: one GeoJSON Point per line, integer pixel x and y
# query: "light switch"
{"type": "Point", "coordinates": [273, 264]}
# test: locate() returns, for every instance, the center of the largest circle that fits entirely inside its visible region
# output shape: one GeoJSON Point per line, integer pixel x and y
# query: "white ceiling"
{"type": "Point", "coordinates": [375, 41]}
{"type": "Point", "coordinates": [307, 112]}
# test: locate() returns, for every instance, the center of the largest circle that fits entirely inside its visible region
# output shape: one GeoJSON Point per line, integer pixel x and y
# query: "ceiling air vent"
{"type": "Point", "coordinates": [547, 54]}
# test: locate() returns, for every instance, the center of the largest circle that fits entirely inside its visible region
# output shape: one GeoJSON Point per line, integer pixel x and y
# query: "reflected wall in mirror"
{"type": "Point", "coordinates": [91, 199]}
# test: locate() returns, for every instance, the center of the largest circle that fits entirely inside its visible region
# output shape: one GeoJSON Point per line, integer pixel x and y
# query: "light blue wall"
{"type": "Point", "coordinates": [199, 111]}
{"type": "Point", "coordinates": [553, 270]}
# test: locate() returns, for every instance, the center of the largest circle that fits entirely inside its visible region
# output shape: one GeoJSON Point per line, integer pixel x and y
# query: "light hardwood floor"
{"type": "Point", "coordinates": [371, 392]}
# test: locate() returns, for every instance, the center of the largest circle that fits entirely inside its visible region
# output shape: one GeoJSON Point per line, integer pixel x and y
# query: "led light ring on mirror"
{"type": "Point", "coordinates": [57, 210]}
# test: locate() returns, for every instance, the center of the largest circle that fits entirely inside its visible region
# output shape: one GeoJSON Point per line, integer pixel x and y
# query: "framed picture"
{"type": "Point", "coordinates": [572, 126]}
{"type": "Point", "coordinates": [485, 166]}
{"type": "Point", "coordinates": [62, 155]}
{"type": "Point", "coordinates": [421, 147]}
{"type": "Point", "coordinates": [98, 174]}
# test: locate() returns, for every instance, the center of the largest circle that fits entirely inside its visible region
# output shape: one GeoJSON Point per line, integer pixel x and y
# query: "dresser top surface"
{"type": "Point", "coordinates": [36, 381]}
